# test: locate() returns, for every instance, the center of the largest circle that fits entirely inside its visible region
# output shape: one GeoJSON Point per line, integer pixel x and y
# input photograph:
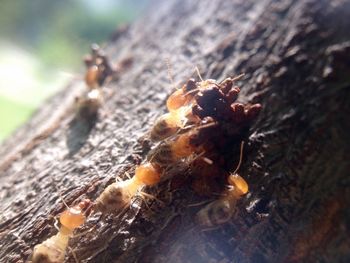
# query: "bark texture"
{"type": "Point", "coordinates": [296, 57]}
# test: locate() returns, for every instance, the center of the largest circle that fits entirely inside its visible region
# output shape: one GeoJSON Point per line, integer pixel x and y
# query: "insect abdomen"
{"type": "Point", "coordinates": [163, 155]}
{"type": "Point", "coordinates": [162, 130]}
{"type": "Point", "coordinates": [52, 250]}
{"type": "Point", "coordinates": [111, 199]}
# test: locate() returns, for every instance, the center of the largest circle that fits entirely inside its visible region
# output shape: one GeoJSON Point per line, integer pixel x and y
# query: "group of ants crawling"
{"type": "Point", "coordinates": [203, 119]}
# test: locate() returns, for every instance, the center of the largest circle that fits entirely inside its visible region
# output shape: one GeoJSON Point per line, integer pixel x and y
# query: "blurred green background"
{"type": "Point", "coordinates": [41, 47]}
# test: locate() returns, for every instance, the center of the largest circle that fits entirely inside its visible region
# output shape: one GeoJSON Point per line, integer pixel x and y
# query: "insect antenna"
{"type": "Point", "coordinates": [64, 202]}
{"type": "Point", "coordinates": [56, 224]}
{"type": "Point", "coordinates": [240, 158]}
{"type": "Point", "coordinates": [152, 197]}
{"type": "Point", "coordinates": [88, 210]}
{"type": "Point", "coordinates": [74, 254]}
{"type": "Point", "coordinates": [238, 77]}
{"type": "Point", "coordinates": [59, 194]}
{"type": "Point", "coordinates": [199, 203]}
{"type": "Point", "coordinates": [191, 91]}
{"type": "Point", "coordinates": [207, 125]}
{"type": "Point", "coordinates": [198, 73]}
{"type": "Point", "coordinates": [170, 73]}
{"type": "Point", "coordinates": [207, 160]}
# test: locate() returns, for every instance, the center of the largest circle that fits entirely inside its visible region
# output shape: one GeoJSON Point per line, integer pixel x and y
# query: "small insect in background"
{"type": "Point", "coordinates": [99, 71]}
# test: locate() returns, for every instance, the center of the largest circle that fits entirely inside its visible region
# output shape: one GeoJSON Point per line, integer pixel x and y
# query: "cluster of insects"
{"type": "Point", "coordinates": [203, 117]}
{"type": "Point", "coordinates": [191, 140]}
{"type": "Point", "coordinates": [203, 120]}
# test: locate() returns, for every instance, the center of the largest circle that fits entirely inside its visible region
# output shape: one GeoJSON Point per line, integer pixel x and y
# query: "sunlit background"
{"type": "Point", "coordinates": [41, 46]}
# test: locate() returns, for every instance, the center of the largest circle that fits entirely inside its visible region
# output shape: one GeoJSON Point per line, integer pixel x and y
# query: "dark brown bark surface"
{"type": "Point", "coordinates": [296, 57]}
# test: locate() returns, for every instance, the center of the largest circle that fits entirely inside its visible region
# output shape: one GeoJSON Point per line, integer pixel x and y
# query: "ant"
{"type": "Point", "coordinates": [99, 71]}
{"type": "Point", "coordinates": [54, 248]}
{"type": "Point", "coordinates": [119, 194]}
{"type": "Point", "coordinates": [220, 211]}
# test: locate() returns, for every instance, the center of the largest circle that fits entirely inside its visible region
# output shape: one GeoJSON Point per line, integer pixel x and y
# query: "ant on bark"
{"type": "Point", "coordinates": [53, 250]}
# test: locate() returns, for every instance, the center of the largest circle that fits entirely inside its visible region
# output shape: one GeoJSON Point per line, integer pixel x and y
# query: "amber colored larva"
{"type": "Point", "coordinates": [220, 211]}
{"type": "Point", "coordinates": [119, 194]}
{"type": "Point", "coordinates": [53, 250]}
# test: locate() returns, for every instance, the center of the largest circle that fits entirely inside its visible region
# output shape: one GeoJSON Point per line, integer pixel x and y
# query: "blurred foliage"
{"type": "Point", "coordinates": [57, 34]}
{"type": "Point", "coordinates": [21, 111]}
{"type": "Point", "coordinates": [60, 31]}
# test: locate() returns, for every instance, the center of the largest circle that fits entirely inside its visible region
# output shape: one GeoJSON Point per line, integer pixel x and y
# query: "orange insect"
{"type": "Point", "coordinates": [170, 123]}
{"type": "Point", "coordinates": [172, 151]}
{"type": "Point", "coordinates": [53, 250]}
{"type": "Point", "coordinates": [181, 103]}
{"type": "Point", "coordinates": [220, 211]}
{"type": "Point", "coordinates": [119, 194]}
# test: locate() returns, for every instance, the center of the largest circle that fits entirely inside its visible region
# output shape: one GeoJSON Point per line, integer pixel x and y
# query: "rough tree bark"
{"type": "Point", "coordinates": [296, 57]}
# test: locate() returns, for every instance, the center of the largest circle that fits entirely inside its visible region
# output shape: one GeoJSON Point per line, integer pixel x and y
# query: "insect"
{"type": "Point", "coordinates": [184, 141]}
{"type": "Point", "coordinates": [171, 151]}
{"type": "Point", "coordinates": [220, 211]}
{"type": "Point", "coordinates": [170, 123]}
{"type": "Point", "coordinates": [53, 250]}
{"type": "Point", "coordinates": [216, 100]}
{"type": "Point", "coordinates": [119, 194]}
{"type": "Point", "coordinates": [89, 104]}
{"type": "Point", "coordinates": [98, 71]}
{"type": "Point", "coordinates": [165, 126]}
{"type": "Point", "coordinates": [190, 103]}
{"type": "Point", "coordinates": [92, 76]}
{"type": "Point", "coordinates": [182, 96]}
{"type": "Point", "coordinates": [187, 93]}
{"type": "Point", "coordinates": [99, 68]}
